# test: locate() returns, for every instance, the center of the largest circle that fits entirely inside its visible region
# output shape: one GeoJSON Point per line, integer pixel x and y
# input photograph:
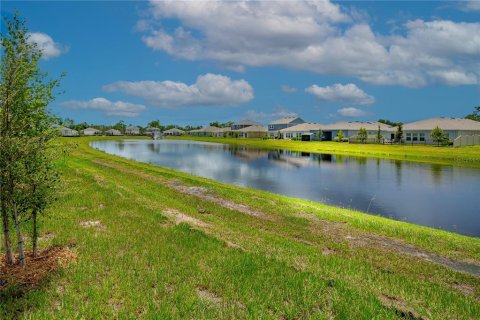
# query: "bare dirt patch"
{"type": "Point", "coordinates": [399, 306]}
{"type": "Point", "coordinates": [464, 288]}
{"type": "Point", "coordinates": [211, 297]}
{"type": "Point", "coordinates": [179, 217]}
{"type": "Point", "coordinates": [47, 236]}
{"type": "Point", "coordinates": [37, 268]}
{"type": "Point", "coordinates": [200, 192]}
{"type": "Point", "coordinates": [92, 224]}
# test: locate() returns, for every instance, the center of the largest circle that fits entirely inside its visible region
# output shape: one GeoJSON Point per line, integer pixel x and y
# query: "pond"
{"type": "Point", "coordinates": [439, 196]}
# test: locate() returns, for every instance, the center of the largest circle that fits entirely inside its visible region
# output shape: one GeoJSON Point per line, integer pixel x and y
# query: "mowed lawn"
{"type": "Point", "coordinates": [169, 245]}
{"type": "Point", "coordinates": [463, 156]}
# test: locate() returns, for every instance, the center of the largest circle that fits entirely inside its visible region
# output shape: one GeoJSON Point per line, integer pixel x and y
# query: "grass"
{"type": "Point", "coordinates": [463, 156]}
{"type": "Point", "coordinates": [172, 245]}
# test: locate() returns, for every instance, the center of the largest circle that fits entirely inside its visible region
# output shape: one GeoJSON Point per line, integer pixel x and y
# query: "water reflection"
{"type": "Point", "coordinates": [427, 194]}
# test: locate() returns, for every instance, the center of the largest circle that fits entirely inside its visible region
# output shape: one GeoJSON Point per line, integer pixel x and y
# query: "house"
{"type": "Point", "coordinates": [174, 132]}
{"type": "Point", "coordinates": [351, 128]}
{"type": "Point", "coordinates": [303, 131]}
{"type": "Point", "coordinates": [210, 131]}
{"type": "Point", "coordinates": [132, 131]}
{"type": "Point", "coordinates": [277, 125]}
{"type": "Point", "coordinates": [151, 131]}
{"type": "Point", "coordinates": [91, 132]}
{"type": "Point", "coordinates": [66, 132]}
{"type": "Point", "coordinates": [245, 123]}
{"type": "Point", "coordinates": [113, 132]}
{"type": "Point", "coordinates": [418, 132]}
{"type": "Point", "coordinates": [254, 131]}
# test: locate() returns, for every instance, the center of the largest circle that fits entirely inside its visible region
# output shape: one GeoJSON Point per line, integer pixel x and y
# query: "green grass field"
{"type": "Point", "coordinates": [463, 156]}
{"type": "Point", "coordinates": [171, 245]}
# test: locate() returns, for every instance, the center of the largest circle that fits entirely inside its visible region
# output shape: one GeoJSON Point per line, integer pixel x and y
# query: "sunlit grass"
{"type": "Point", "coordinates": [299, 262]}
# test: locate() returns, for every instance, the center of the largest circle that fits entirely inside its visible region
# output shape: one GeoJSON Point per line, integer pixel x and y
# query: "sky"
{"type": "Point", "coordinates": [194, 62]}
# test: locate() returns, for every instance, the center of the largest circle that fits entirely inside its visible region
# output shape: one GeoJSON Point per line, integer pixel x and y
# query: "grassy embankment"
{"type": "Point", "coordinates": [170, 245]}
{"type": "Point", "coordinates": [464, 156]}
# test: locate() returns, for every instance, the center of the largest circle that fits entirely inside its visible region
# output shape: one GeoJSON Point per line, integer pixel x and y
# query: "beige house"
{"type": "Point", "coordinates": [256, 131]}
{"type": "Point", "coordinates": [91, 132]}
{"type": "Point", "coordinates": [132, 131]}
{"type": "Point", "coordinates": [418, 132]}
{"type": "Point", "coordinates": [209, 132]}
{"type": "Point", "coordinates": [304, 131]}
{"type": "Point", "coordinates": [66, 132]}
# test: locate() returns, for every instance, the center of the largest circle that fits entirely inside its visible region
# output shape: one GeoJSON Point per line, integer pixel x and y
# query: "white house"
{"type": "Point", "coordinates": [91, 132]}
{"type": "Point", "coordinates": [67, 132]}
{"type": "Point", "coordinates": [132, 131]}
{"type": "Point", "coordinates": [303, 131]}
{"type": "Point", "coordinates": [418, 132]}
{"type": "Point", "coordinates": [113, 132]}
{"type": "Point", "coordinates": [174, 132]}
{"type": "Point", "coordinates": [351, 128]}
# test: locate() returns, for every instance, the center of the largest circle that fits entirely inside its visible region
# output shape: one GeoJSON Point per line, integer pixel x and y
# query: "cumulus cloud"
{"type": "Point", "coordinates": [45, 43]}
{"type": "Point", "coordinates": [348, 93]}
{"type": "Point", "coordinates": [110, 108]}
{"type": "Point", "coordinates": [351, 112]}
{"type": "Point", "coordinates": [278, 112]}
{"type": "Point", "coordinates": [317, 36]}
{"type": "Point", "coordinates": [288, 89]}
{"type": "Point", "coordinates": [208, 90]}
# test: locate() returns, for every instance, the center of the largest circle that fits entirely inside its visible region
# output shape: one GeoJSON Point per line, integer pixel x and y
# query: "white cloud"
{"type": "Point", "coordinates": [110, 108]}
{"type": "Point", "coordinates": [278, 112]}
{"type": "Point", "coordinates": [317, 36]}
{"type": "Point", "coordinates": [49, 48]}
{"type": "Point", "coordinates": [351, 112]}
{"type": "Point", "coordinates": [470, 5]}
{"type": "Point", "coordinates": [348, 93]}
{"type": "Point", "coordinates": [288, 89]}
{"type": "Point", "coordinates": [208, 90]}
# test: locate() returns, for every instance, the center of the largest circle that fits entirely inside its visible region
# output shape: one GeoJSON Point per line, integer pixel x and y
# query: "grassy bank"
{"type": "Point", "coordinates": [164, 244]}
{"type": "Point", "coordinates": [464, 156]}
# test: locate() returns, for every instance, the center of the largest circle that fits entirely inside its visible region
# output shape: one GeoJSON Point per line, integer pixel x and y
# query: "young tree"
{"type": "Point", "coordinates": [154, 124]}
{"type": "Point", "coordinates": [362, 135]}
{"type": "Point", "coordinates": [340, 135]}
{"type": "Point", "coordinates": [475, 115]}
{"type": "Point", "coordinates": [399, 133]}
{"type": "Point", "coordinates": [379, 135]}
{"type": "Point", "coordinates": [25, 127]}
{"type": "Point", "coordinates": [320, 134]}
{"type": "Point", "coordinates": [438, 135]}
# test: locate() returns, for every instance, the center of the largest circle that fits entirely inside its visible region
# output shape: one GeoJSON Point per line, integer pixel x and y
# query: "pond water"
{"type": "Point", "coordinates": [439, 196]}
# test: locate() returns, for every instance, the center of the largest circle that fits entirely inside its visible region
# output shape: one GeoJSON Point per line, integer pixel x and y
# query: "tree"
{"type": "Point", "coordinates": [221, 124]}
{"type": "Point", "coordinates": [320, 134]}
{"type": "Point", "coordinates": [399, 133]}
{"type": "Point", "coordinates": [25, 130]}
{"type": "Point", "coordinates": [379, 135]}
{"type": "Point", "coordinates": [438, 135]}
{"type": "Point", "coordinates": [389, 123]}
{"type": "Point", "coordinates": [154, 124]}
{"type": "Point", "coordinates": [475, 115]}
{"type": "Point", "coordinates": [120, 126]}
{"type": "Point", "coordinates": [340, 135]}
{"type": "Point", "coordinates": [362, 135]}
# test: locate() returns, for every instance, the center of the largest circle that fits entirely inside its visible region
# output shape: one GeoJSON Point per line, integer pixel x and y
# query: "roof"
{"type": "Point", "coordinates": [285, 120]}
{"type": "Point", "coordinates": [152, 129]}
{"type": "Point", "coordinates": [174, 130]}
{"type": "Point", "coordinates": [208, 129]}
{"type": "Point", "coordinates": [253, 129]}
{"type": "Point", "coordinates": [444, 124]}
{"type": "Point", "coordinates": [356, 125]}
{"type": "Point", "coordinates": [247, 122]}
{"type": "Point", "coordinates": [307, 126]}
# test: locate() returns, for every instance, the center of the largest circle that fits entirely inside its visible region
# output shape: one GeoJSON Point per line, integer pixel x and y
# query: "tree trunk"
{"type": "Point", "coordinates": [35, 233]}
{"type": "Point", "coordinates": [21, 253]}
{"type": "Point", "coordinates": [6, 235]}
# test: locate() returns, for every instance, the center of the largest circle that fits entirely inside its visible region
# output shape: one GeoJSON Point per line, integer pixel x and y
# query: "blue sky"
{"type": "Point", "coordinates": [196, 62]}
